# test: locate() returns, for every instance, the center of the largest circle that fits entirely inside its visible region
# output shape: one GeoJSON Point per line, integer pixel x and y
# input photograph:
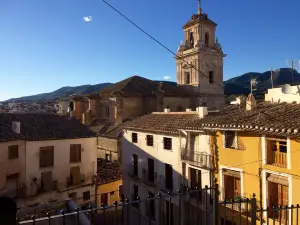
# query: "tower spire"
{"type": "Point", "coordinates": [199, 7]}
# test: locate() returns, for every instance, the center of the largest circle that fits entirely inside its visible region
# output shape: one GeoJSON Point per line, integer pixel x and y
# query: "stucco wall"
{"type": "Point", "coordinates": [109, 188]}
{"type": "Point", "coordinates": [62, 165]}
{"type": "Point", "coordinates": [174, 102]}
{"type": "Point", "coordinates": [108, 145]}
{"type": "Point", "coordinates": [157, 153]}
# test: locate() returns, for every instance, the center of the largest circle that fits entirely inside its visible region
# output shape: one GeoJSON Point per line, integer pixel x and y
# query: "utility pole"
{"type": "Point", "coordinates": [294, 64]}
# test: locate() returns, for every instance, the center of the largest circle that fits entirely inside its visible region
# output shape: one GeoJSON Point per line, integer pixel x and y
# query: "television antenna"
{"type": "Point", "coordinates": [294, 64]}
{"type": "Point", "coordinates": [253, 83]}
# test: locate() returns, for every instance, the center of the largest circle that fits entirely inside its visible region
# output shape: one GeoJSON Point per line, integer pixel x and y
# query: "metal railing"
{"type": "Point", "coordinates": [199, 159]}
{"type": "Point", "coordinates": [178, 208]}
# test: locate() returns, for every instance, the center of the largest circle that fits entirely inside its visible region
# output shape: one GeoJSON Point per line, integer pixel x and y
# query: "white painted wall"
{"type": "Point", "coordinates": [62, 165]}
{"type": "Point", "coordinates": [276, 95]}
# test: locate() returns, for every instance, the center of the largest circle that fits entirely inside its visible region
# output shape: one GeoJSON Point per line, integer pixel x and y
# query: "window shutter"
{"type": "Point", "coordinates": [236, 145]}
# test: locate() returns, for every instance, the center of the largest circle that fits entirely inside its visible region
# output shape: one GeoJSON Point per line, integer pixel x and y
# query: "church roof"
{"type": "Point", "coordinates": [197, 18]}
{"type": "Point", "coordinates": [140, 86]}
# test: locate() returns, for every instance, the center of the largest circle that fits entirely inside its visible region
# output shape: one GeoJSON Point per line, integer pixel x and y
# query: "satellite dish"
{"type": "Point", "coordinates": [286, 89]}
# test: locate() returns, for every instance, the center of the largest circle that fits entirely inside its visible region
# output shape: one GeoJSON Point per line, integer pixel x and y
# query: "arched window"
{"type": "Point", "coordinates": [206, 38]}
{"type": "Point", "coordinates": [192, 39]}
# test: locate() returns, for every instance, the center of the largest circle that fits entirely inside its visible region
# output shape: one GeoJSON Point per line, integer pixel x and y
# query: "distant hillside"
{"type": "Point", "coordinates": [241, 84]}
{"type": "Point", "coordinates": [61, 92]}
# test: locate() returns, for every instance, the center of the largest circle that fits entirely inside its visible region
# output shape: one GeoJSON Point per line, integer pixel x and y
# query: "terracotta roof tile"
{"type": "Point", "coordinates": [108, 172]}
{"type": "Point", "coordinates": [162, 122]}
{"type": "Point", "coordinates": [265, 118]}
{"type": "Point", "coordinates": [41, 126]}
{"type": "Point", "coordinates": [140, 86]}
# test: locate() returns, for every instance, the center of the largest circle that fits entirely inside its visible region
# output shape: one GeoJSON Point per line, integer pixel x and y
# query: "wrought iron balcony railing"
{"type": "Point", "coordinates": [199, 159]}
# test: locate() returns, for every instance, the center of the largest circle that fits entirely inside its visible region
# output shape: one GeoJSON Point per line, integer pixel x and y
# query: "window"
{"type": "Point", "coordinates": [169, 176]}
{"type": "Point", "coordinates": [149, 140]}
{"type": "Point", "coordinates": [151, 170]}
{"type": "Point", "coordinates": [108, 157]}
{"type": "Point", "coordinates": [86, 195]}
{"type": "Point", "coordinates": [121, 191]}
{"type": "Point", "coordinates": [135, 194]}
{"type": "Point", "coordinates": [191, 39]}
{"type": "Point", "coordinates": [187, 78]}
{"type": "Point", "coordinates": [75, 153]}
{"type": "Point", "coordinates": [278, 195]}
{"type": "Point", "coordinates": [13, 152]}
{"type": "Point", "coordinates": [107, 111]}
{"type": "Point", "coordinates": [211, 77]}
{"type": "Point", "coordinates": [196, 181]}
{"type": "Point", "coordinates": [104, 198]}
{"type": "Point", "coordinates": [230, 139]}
{"type": "Point", "coordinates": [135, 165]}
{"type": "Point", "coordinates": [134, 138]}
{"type": "Point", "coordinates": [232, 184]}
{"type": "Point", "coordinates": [75, 175]}
{"type": "Point", "coordinates": [46, 156]}
{"type": "Point", "coordinates": [112, 193]}
{"type": "Point", "coordinates": [151, 206]}
{"type": "Point", "coordinates": [277, 152]}
{"type": "Point", "coordinates": [47, 181]}
{"type": "Point", "coordinates": [167, 143]}
{"type": "Point", "coordinates": [206, 39]}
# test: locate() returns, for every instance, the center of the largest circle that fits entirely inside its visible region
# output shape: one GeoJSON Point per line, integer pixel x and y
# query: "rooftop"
{"type": "Point", "coordinates": [161, 122]}
{"type": "Point", "coordinates": [41, 126]}
{"type": "Point", "coordinates": [267, 118]}
{"type": "Point", "coordinates": [198, 18]}
{"type": "Point", "coordinates": [108, 172]}
{"type": "Point", "coordinates": [140, 86]}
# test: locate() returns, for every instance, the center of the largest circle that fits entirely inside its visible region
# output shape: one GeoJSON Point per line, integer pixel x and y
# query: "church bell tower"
{"type": "Point", "coordinates": [199, 60]}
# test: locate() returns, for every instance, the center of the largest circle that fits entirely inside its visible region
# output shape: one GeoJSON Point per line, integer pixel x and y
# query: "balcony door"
{"type": "Point", "coordinates": [151, 170]}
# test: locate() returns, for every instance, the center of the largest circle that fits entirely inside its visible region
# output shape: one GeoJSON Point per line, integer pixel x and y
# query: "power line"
{"type": "Point", "coordinates": [165, 47]}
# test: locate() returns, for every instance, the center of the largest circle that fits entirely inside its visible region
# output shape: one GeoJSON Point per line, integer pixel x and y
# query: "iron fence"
{"type": "Point", "coordinates": [185, 207]}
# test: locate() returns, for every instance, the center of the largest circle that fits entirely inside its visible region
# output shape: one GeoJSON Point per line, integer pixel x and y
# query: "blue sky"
{"type": "Point", "coordinates": [46, 44]}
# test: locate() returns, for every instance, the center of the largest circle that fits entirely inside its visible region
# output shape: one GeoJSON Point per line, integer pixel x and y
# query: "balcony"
{"type": "Point", "coordinates": [199, 159]}
{"type": "Point", "coordinates": [149, 178]}
{"type": "Point", "coordinates": [277, 158]}
{"type": "Point", "coordinates": [132, 171]}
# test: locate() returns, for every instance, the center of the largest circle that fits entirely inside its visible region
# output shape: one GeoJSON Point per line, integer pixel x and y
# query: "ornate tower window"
{"type": "Point", "coordinates": [206, 38]}
{"type": "Point", "coordinates": [192, 42]}
{"type": "Point", "coordinates": [187, 78]}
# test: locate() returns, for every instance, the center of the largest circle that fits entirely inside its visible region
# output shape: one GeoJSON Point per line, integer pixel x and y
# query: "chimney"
{"type": "Point", "coordinates": [167, 110]}
{"type": "Point", "coordinates": [202, 111]}
{"type": "Point", "coordinates": [16, 127]}
{"type": "Point", "coordinates": [188, 110]}
{"type": "Point", "coordinates": [251, 102]}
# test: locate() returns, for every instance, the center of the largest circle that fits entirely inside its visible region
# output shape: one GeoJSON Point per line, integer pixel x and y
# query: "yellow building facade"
{"type": "Point", "coordinates": [257, 155]}
{"type": "Point", "coordinates": [109, 193]}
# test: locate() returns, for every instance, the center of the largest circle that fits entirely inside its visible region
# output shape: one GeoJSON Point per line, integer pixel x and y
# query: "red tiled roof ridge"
{"type": "Point", "coordinates": [178, 113]}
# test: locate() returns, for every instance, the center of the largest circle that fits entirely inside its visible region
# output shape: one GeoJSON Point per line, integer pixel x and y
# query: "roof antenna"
{"type": "Point", "coordinates": [199, 7]}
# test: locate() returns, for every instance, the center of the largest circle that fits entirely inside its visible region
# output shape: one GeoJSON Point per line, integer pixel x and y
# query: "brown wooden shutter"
{"type": "Point", "coordinates": [237, 187]}
{"type": "Point", "coordinates": [78, 153]}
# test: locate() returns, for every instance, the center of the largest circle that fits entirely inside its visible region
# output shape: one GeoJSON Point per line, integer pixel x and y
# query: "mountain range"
{"type": "Point", "coordinates": [241, 84]}
{"type": "Point", "coordinates": [234, 86]}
